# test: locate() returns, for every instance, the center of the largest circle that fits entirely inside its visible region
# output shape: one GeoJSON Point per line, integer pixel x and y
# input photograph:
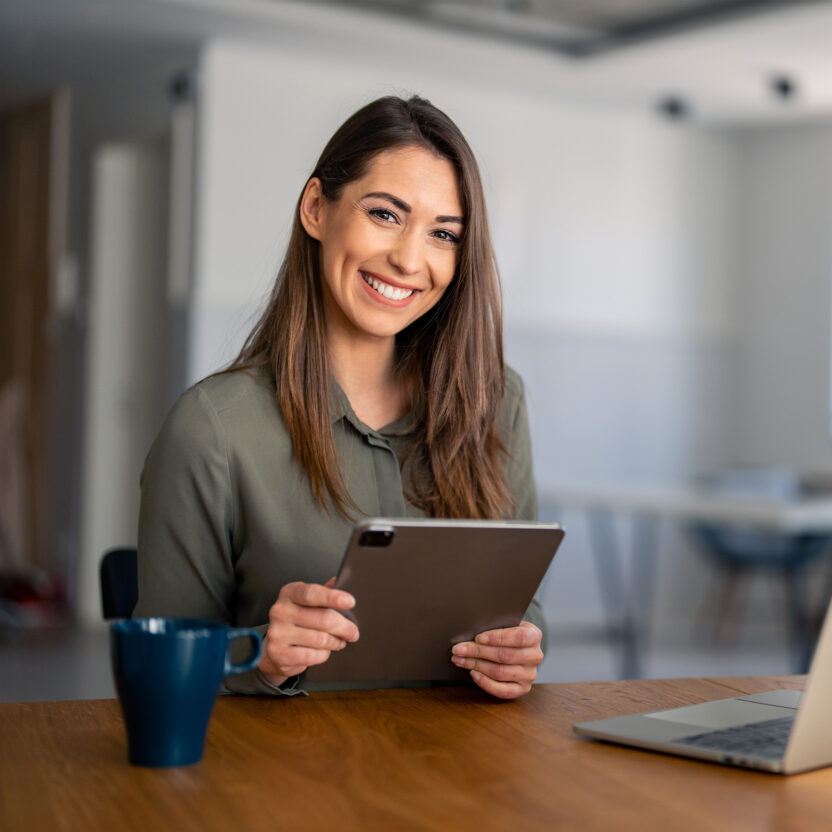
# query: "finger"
{"type": "Point", "coordinates": [318, 639]}
{"type": "Point", "coordinates": [328, 620]}
{"type": "Point", "coordinates": [317, 595]}
{"type": "Point", "coordinates": [532, 656]}
{"type": "Point", "coordinates": [498, 672]}
{"type": "Point", "coordinates": [502, 690]}
{"type": "Point", "coordinates": [288, 658]}
{"type": "Point", "coordinates": [524, 635]}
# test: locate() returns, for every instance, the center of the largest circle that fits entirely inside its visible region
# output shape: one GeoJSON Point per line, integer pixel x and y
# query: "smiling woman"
{"type": "Point", "coordinates": [373, 384]}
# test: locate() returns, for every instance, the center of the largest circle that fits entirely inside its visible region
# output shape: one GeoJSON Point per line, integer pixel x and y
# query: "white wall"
{"type": "Point", "coordinates": [782, 390]}
{"type": "Point", "coordinates": [126, 347]}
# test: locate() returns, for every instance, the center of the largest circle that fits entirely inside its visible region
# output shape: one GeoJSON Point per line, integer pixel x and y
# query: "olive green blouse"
{"type": "Point", "coordinates": [228, 515]}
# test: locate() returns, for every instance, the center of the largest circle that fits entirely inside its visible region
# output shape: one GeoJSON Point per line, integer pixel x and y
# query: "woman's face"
{"type": "Point", "coordinates": [389, 244]}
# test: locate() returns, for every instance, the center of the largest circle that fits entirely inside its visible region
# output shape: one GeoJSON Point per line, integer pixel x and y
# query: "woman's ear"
{"type": "Point", "coordinates": [312, 208]}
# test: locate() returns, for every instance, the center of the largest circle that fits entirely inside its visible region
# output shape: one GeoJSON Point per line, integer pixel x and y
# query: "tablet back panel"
{"type": "Point", "coordinates": [435, 583]}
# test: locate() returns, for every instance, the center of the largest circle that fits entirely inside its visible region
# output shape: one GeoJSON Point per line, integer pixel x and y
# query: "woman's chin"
{"type": "Point", "coordinates": [379, 327]}
{"type": "Point", "coordinates": [380, 333]}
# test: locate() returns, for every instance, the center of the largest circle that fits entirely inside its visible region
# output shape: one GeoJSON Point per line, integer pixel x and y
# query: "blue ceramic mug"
{"type": "Point", "coordinates": [167, 673]}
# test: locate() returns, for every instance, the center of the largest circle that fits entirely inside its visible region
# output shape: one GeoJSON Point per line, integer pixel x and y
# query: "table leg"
{"type": "Point", "coordinates": [617, 609]}
{"type": "Point", "coordinates": [627, 608]}
{"type": "Point", "coordinates": [644, 565]}
{"type": "Point", "coordinates": [802, 640]}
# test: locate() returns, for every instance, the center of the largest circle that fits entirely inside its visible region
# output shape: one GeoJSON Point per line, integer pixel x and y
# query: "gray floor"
{"type": "Point", "coordinates": [73, 663]}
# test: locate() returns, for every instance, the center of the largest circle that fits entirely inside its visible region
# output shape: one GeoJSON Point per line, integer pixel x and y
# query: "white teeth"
{"type": "Point", "coordinates": [385, 289]}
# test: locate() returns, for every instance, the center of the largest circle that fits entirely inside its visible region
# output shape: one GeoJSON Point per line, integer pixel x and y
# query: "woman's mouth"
{"type": "Point", "coordinates": [385, 290]}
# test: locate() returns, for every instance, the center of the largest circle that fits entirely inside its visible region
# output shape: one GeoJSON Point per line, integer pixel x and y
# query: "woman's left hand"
{"type": "Point", "coordinates": [502, 662]}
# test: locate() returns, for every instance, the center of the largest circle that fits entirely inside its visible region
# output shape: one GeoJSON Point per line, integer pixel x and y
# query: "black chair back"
{"type": "Point", "coordinates": [119, 574]}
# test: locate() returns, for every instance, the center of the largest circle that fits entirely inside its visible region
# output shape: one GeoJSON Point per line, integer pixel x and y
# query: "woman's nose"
{"type": "Point", "coordinates": [407, 255]}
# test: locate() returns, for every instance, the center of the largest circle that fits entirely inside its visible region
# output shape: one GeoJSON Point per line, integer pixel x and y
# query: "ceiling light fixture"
{"type": "Point", "coordinates": [674, 108]}
{"type": "Point", "coordinates": [783, 87]}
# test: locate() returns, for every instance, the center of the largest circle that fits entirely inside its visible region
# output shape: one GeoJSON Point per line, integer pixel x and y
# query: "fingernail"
{"type": "Point", "coordinates": [482, 638]}
{"type": "Point", "coordinates": [459, 661]}
{"type": "Point", "coordinates": [355, 637]}
{"type": "Point", "coordinates": [459, 650]}
{"type": "Point", "coordinates": [476, 675]}
{"type": "Point", "coordinates": [348, 602]}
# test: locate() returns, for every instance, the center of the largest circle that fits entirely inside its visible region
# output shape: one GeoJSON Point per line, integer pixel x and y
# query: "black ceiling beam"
{"type": "Point", "coordinates": [673, 23]}
{"type": "Point", "coordinates": [599, 39]}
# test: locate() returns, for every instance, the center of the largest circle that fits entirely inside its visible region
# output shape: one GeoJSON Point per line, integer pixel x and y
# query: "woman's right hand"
{"type": "Point", "coordinates": [304, 628]}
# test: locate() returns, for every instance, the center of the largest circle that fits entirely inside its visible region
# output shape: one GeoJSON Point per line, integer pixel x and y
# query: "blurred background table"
{"type": "Point", "coordinates": [741, 519]}
{"type": "Point", "coordinates": [440, 758]}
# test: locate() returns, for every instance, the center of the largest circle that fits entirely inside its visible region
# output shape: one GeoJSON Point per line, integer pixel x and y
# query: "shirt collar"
{"type": "Point", "coordinates": [340, 408]}
{"type": "Point", "coordinates": [339, 404]}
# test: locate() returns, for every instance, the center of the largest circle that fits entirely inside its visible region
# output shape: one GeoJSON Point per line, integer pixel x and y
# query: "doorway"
{"type": "Point", "coordinates": [33, 152]}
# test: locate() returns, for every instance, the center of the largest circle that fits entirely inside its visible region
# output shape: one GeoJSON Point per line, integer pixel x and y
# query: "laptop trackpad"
{"type": "Point", "coordinates": [723, 713]}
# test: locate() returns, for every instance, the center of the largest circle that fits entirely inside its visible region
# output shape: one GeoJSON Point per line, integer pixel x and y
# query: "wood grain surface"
{"type": "Point", "coordinates": [442, 758]}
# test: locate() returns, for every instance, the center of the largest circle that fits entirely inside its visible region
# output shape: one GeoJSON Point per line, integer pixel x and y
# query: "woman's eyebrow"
{"type": "Point", "coordinates": [403, 206]}
{"type": "Point", "coordinates": [399, 203]}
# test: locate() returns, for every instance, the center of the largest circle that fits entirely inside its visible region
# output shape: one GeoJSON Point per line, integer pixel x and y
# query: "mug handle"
{"type": "Point", "coordinates": [250, 663]}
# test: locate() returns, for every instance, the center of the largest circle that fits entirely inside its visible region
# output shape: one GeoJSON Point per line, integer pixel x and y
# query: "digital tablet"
{"type": "Point", "coordinates": [421, 586]}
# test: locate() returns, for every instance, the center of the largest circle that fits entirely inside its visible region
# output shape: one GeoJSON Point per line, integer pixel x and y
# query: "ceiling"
{"type": "Point", "coordinates": [575, 28]}
{"type": "Point", "coordinates": [723, 59]}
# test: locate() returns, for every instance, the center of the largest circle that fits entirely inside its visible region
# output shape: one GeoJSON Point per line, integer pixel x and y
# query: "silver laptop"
{"type": "Point", "coordinates": [782, 730]}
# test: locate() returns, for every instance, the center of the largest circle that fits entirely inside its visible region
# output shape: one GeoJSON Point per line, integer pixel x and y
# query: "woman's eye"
{"type": "Point", "coordinates": [446, 236]}
{"type": "Point", "coordinates": [382, 214]}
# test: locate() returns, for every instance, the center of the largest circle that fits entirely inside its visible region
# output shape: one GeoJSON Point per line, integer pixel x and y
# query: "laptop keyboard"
{"type": "Point", "coordinates": [758, 739]}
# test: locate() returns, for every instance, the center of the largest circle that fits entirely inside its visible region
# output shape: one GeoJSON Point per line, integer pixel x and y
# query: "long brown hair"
{"type": "Point", "coordinates": [452, 356]}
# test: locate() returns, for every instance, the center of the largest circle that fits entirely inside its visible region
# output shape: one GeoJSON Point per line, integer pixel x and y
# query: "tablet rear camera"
{"type": "Point", "coordinates": [376, 537]}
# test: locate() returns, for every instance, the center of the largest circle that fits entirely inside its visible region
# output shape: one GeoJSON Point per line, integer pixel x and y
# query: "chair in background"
{"type": "Point", "coordinates": [738, 550]}
{"type": "Point", "coordinates": [119, 576]}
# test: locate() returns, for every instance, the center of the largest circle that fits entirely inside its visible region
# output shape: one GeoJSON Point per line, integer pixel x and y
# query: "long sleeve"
{"type": "Point", "coordinates": [187, 526]}
{"type": "Point", "coordinates": [186, 518]}
{"type": "Point", "coordinates": [521, 471]}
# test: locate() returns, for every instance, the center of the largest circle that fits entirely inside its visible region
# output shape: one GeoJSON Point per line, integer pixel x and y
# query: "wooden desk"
{"type": "Point", "coordinates": [433, 759]}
